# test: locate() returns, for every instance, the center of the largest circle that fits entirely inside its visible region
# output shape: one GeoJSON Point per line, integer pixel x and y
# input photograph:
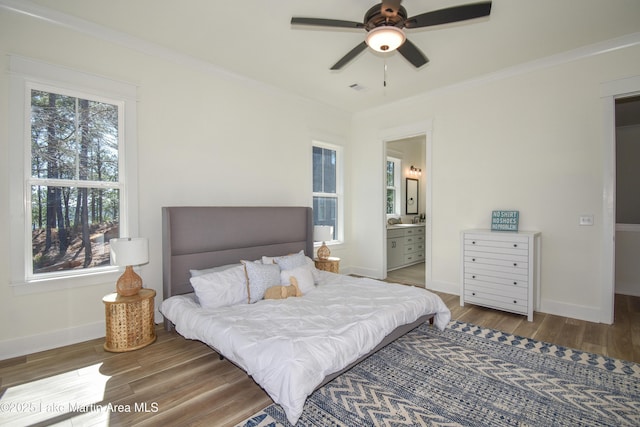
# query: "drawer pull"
{"type": "Point", "coordinates": [515, 302]}
{"type": "Point", "coordinates": [473, 259]}
{"type": "Point", "coordinates": [473, 243]}
{"type": "Point", "coordinates": [515, 264]}
{"type": "Point", "coordinates": [515, 283]}
{"type": "Point", "coordinates": [473, 277]}
{"type": "Point", "coordinates": [515, 245]}
{"type": "Point", "coordinates": [473, 293]}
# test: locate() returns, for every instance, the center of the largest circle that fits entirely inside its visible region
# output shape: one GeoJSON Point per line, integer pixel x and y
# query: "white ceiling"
{"type": "Point", "coordinates": [254, 39]}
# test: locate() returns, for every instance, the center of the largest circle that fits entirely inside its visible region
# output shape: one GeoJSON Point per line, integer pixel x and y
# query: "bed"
{"type": "Point", "coordinates": [290, 347]}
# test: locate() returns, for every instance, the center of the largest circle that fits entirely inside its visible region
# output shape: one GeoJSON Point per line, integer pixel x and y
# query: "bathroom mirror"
{"type": "Point", "coordinates": [411, 206]}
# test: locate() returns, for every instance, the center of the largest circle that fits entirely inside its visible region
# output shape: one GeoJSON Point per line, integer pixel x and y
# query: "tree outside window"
{"type": "Point", "coordinates": [393, 186]}
{"type": "Point", "coordinates": [74, 180]}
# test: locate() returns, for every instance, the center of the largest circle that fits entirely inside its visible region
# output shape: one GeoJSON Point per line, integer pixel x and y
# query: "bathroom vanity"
{"type": "Point", "coordinates": [405, 245]}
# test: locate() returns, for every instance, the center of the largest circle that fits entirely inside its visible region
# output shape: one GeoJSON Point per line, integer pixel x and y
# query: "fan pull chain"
{"type": "Point", "coordinates": [384, 77]}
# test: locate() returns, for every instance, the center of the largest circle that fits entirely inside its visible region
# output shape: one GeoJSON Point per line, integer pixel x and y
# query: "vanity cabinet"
{"type": "Point", "coordinates": [500, 270]}
{"type": "Point", "coordinates": [405, 246]}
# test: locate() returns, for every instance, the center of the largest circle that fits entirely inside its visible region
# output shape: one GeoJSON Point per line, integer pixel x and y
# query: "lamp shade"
{"type": "Point", "coordinates": [129, 251]}
{"type": "Point", "coordinates": [385, 38]}
{"type": "Point", "coordinates": [322, 233]}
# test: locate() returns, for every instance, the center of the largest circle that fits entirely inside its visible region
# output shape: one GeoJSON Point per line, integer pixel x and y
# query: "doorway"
{"type": "Point", "coordinates": [610, 92]}
{"type": "Point", "coordinates": [406, 164]}
{"type": "Point", "coordinates": [423, 132]}
{"type": "Point", "coordinates": [627, 237]}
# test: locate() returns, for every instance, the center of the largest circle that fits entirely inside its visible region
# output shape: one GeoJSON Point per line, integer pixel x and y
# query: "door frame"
{"type": "Point", "coordinates": [609, 92]}
{"type": "Point", "coordinates": [403, 132]}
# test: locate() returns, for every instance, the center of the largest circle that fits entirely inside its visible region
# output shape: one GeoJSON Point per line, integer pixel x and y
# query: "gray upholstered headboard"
{"type": "Point", "coordinates": [199, 237]}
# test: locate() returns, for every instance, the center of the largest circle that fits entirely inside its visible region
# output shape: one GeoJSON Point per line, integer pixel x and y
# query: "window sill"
{"type": "Point", "coordinates": [51, 284]}
{"type": "Point", "coordinates": [331, 243]}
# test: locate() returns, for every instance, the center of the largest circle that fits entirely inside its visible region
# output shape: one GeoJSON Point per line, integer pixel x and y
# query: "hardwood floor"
{"type": "Point", "coordinates": [180, 382]}
{"type": "Point", "coordinates": [412, 275]}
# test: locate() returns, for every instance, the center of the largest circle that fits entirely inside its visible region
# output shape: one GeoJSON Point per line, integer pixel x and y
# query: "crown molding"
{"type": "Point", "coordinates": [595, 49]}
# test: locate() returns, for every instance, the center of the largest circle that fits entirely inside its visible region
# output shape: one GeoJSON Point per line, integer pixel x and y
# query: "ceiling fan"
{"type": "Point", "coordinates": [385, 22]}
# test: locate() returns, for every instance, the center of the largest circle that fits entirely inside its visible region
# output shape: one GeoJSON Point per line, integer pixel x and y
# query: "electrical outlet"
{"type": "Point", "coordinates": [586, 220]}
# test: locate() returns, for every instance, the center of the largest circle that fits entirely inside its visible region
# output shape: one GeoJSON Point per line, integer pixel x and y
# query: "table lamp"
{"type": "Point", "coordinates": [127, 252]}
{"type": "Point", "coordinates": [323, 233]}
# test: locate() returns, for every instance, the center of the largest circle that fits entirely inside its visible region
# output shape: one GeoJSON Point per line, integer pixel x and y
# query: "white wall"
{"type": "Point", "coordinates": [531, 141]}
{"type": "Point", "coordinates": [203, 139]}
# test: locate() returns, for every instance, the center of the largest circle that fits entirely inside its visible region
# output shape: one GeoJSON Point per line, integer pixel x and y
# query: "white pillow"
{"type": "Point", "coordinates": [221, 288]}
{"type": "Point", "coordinates": [259, 278]}
{"type": "Point", "coordinates": [212, 269]}
{"type": "Point", "coordinates": [304, 277]}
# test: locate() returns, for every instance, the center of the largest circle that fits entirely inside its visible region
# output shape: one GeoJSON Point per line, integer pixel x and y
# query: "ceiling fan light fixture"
{"type": "Point", "coordinates": [385, 38]}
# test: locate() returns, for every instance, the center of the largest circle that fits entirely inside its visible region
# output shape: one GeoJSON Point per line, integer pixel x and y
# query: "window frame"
{"type": "Point", "coordinates": [28, 74]}
{"type": "Point", "coordinates": [397, 187]}
{"type": "Point", "coordinates": [338, 195]}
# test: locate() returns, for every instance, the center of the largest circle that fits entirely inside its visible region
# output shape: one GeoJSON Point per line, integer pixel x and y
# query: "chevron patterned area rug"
{"type": "Point", "coordinates": [470, 376]}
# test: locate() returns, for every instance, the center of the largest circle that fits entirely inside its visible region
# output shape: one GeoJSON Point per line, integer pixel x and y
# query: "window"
{"type": "Point", "coordinates": [393, 186]}
{"type": "Point", "coordinates": [327, 187]}
{"type": "Point", "coordinates": [74, 182]}
{"type": "Point", "coordinates": [74, 145]}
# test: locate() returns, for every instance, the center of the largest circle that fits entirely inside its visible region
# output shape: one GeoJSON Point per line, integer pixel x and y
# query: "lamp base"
{"type": "Point", "coordinates": [323, 252]}
{"type": "Point", "coordinates": [129, 283]}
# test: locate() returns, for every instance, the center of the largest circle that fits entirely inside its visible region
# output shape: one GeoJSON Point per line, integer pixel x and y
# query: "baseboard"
{"type": "Point", "coordinates": [591, 314]}
{"type": "Point", "coordinates": [631, 289]}
{"type": "Point", "coordinates": [361, 271]}
{"type": "Point", "coordinates": [574, 311]}
{"type": "Point", "coordinates": [47, 341]}
{"type": "Point", "coordinates": [445, 287]}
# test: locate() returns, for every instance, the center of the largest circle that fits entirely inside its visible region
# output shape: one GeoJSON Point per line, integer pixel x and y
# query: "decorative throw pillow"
{"type": "Point", "coordinates": [221, 288]}
{"type": "Point", "coordinates": [289, 262]}
{"type": "Point", "coordinates": [259, 278]}
{"type": "Point", "coordinates": [303, 275]}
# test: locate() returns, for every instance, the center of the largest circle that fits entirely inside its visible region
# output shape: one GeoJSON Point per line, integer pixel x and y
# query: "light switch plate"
{"type": "Point", "coordinates": [586, 220]}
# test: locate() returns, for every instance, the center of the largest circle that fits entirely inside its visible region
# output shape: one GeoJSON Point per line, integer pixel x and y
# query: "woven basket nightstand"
{"type": "Point", "coordinates": [331, 264]}
{"type": "Point", "coordinates": [129, 321]}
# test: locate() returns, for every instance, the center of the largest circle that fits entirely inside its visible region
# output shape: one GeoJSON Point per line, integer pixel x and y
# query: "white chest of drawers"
{"type": "Point", "coordinates": [500, 270]}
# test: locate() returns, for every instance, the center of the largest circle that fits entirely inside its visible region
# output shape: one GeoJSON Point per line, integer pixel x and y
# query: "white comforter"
{"type": "Point", "coordinates": [289, 346]}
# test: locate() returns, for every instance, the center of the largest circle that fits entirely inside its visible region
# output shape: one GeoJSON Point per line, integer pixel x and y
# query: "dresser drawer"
{"type": "Point", "coordinates": [413, 257]}
{"type": "Point", "coordinates": [411, 231]}
{"type": "Point", "coordinates": [418, 247]}
{"type": "Point", "coordinates": [513, 262]}
{"type": "Point", "coordinates": [496, 240]}
{"type": "Point", "coordinates": [500, 302]}
{"type": "Point", "coordinates": [491, 277]}
{"type": "Point", "coordinates": [498, 289]}
{"type": "Point", "coordinates": [394, 233]}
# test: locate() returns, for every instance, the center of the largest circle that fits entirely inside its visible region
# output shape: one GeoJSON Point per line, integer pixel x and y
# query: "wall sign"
{"type": "Point", "coordinates": [504, 220]}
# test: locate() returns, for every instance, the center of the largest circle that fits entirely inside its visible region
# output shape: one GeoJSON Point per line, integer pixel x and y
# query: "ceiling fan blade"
{"type": "Point", "coordinates": [320, 22]}
{"type": "Point", "coordinates": [349, 56]}
{"type": "Point", "coordinates": [414, 55]}
{"type": "Point", "coordinates": [450, 14]}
